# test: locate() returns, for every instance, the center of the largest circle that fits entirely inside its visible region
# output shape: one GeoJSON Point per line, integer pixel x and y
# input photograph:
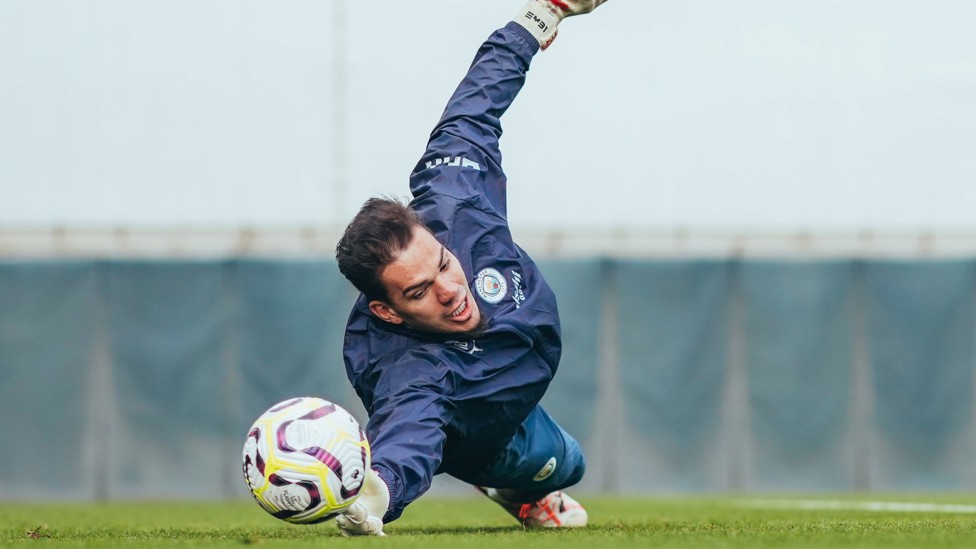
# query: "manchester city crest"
{"type": "Point", "coordinates": [491, 285]}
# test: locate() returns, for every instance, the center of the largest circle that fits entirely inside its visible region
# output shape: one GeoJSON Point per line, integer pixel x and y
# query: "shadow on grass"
{"type": "Point", "coordinates": [480, 530]}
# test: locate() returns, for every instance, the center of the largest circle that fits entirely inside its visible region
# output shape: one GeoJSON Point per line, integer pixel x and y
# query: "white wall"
{"type": "Point", "coordinates": [753, 114]}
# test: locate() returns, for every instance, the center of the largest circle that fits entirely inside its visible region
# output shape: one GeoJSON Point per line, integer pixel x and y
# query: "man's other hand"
{"type": "Point", "coordinates": [569, 8]}
{"type": "Point", "coordinates": [542, 17]}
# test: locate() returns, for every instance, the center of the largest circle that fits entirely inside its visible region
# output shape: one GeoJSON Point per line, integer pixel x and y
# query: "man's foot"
{"type": "Point", "coordinates": [557, 510]}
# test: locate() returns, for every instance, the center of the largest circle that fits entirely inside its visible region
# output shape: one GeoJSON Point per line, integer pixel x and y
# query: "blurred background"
{"type": "Point", "coordinates": [757, 216]}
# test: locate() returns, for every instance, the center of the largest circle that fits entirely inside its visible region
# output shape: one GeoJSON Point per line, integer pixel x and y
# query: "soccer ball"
{"type": "Point", "coordinates": [305, 460]}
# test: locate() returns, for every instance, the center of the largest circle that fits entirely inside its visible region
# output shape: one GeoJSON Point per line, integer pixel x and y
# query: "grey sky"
{"type": "Point", "coordinates": [752, 114]}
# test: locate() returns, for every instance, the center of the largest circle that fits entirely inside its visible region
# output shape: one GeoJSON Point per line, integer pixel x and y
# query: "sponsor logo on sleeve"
{"type": "Point", "coordinates": [491, 285]}
{"type": "Point", "coordinates": [517, 294]}
{"type": "Point", "coordinates": [456, 161]}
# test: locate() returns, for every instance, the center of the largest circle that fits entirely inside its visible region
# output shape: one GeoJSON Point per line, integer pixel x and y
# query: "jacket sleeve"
{"type": "Point", "coordinates": [406, 428]}
{"type": "Point", "coordinates": [463, 158]}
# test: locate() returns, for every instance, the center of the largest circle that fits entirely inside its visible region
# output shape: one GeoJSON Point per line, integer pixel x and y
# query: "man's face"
{"type": "Point", "coordinates": [427, 289]}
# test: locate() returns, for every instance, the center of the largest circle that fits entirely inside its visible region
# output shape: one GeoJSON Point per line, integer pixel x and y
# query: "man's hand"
{"type": "Point", "coordinates": [542, 17]}
{"type": "Point", "coordinates": [365, 517]}
{"type": "Point", "coordinates": [575, 7]}
{"type": "Point", "coordinates": [357, 521]}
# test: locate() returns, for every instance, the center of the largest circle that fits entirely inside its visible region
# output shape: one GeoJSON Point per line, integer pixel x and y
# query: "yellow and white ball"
{"type": "Point", "coordinates": [305, 460]}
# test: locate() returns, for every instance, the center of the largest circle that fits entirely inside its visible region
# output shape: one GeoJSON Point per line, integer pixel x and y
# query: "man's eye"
{"type": "Point", "coordinates": [445, 265]}
{"type": "Point", "coordinates": [419, 294]}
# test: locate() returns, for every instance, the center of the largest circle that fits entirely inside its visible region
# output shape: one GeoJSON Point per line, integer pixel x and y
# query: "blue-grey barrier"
{"type": "Point", "coordinates": [134, 379]}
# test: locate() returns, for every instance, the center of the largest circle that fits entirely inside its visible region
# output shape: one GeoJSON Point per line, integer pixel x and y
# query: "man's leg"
{"type": "Point", "coordinates": [528, 477]}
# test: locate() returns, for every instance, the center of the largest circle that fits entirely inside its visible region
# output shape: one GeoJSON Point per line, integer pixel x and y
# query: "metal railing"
{"type": "Point", "coordinates": [623, 242]}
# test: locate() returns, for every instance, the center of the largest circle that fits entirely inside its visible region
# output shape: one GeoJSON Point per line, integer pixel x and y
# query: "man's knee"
{"type": "Point", "coordinates": [575, 463]}
{"type": "Point", "coordinates": [578, 471]}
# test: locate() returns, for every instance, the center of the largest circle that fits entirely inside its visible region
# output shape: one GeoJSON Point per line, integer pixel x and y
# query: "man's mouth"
{"type": "Point", "coordinates": [460, 310]}
{"type": "Point", "coordinates": [463, 311]}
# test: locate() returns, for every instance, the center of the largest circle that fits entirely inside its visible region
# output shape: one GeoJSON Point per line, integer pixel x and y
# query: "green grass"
{"type": "Point", "coordinates": [470, 522]}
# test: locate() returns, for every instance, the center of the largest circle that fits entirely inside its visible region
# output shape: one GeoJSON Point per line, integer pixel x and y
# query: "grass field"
{"type": "Point", "coordinates": [474, 522]}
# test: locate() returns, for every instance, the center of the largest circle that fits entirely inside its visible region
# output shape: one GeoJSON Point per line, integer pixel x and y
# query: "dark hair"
{"type": "Point", "coordinates": [372, 240]}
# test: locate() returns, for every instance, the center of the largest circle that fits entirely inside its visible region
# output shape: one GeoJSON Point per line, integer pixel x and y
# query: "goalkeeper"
{"type": "Point", "coordinates": [456, 335]}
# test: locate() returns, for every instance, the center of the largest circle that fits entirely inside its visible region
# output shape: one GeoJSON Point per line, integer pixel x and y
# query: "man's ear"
{"type": "Point", "coordinates": [384, 312]}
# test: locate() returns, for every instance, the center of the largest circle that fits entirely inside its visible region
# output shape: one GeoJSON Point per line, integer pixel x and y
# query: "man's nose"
{"type": "Point", "coordinates": [445, 290]}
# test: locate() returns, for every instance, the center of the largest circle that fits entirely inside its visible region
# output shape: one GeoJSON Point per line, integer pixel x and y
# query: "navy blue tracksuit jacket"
{"type": "Point", "coordinates": [439, 403]}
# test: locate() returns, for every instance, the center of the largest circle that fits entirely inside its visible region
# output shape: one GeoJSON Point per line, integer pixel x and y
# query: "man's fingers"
{"type": "Point", "coordinates": [372, 526]}
{"type": "Point", "coordinates": [356, 513]}
{"type": "Point", "coordinates": [357, 522]}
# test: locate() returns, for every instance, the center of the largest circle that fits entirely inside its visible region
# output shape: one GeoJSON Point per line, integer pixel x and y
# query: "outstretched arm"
{"type": "Point", "coordinates": [463, 158]}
